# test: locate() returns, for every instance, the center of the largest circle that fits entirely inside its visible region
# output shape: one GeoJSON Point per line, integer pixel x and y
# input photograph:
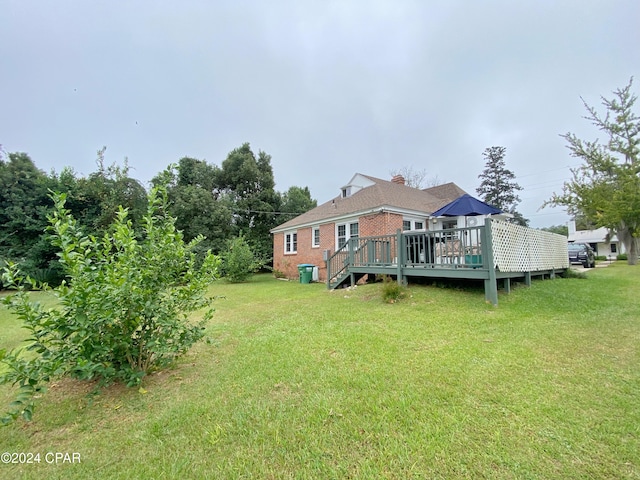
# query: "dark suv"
{"type": "Point", "coordinates": [582, 253]}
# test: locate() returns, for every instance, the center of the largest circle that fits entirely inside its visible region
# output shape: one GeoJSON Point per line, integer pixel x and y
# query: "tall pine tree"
{"type": "Point", "coordinates": [498, 186]}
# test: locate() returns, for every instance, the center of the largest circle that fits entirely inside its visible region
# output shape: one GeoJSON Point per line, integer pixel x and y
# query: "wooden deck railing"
{"type": "Point", "coordinates": [456, 248]}
{"type": "Point", "coordinates": [359, 252]}
{"type": "Point", "coordinates": [495, 250]}
{"type": "Point", "coordinates": [459, 247]}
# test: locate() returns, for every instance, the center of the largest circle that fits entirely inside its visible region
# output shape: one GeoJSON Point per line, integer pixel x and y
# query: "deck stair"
{"type": "Point", "coordinates": [344, 279]}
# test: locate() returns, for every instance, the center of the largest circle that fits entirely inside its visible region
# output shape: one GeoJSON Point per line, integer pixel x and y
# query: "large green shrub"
{"type": "Point", "coordinates": [238, 260]}
{"type": "Point", "coordinates": [122, 310]}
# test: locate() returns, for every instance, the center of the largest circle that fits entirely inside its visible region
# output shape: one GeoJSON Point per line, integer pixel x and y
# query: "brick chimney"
{"type": "Point", "coordinates": [399, 179]}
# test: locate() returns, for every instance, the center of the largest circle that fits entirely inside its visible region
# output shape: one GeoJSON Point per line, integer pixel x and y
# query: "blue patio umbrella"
{"type": "Point", "coordinates": [467, 206]}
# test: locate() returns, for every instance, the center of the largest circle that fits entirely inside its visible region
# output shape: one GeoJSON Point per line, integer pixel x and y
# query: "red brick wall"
{"type": "Point", "coordinates": [376, 224]}
{"type": "Point", "coordinates": [285, 263]}
{"type": "Point", "coordinates": [278, 250]}
{"type": "Point", "coordinates": [288, 263]}
{"type": "Point", "coordinates": [383, 223]}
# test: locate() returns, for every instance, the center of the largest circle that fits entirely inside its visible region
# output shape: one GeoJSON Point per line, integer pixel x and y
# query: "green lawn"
{"type": "Point", "coordinates": [300, 382]}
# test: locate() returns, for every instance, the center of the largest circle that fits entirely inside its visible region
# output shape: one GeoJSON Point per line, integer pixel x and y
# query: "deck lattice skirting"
{"type": "Point", "coordinates": [523, 249]}
{"type": "Point", "coordinates": [497, 250]}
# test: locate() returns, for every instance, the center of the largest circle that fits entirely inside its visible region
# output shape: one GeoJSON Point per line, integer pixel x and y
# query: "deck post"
{"type": "Point", "coordinates": [351, 249]}
{"type": "Point", "coordinates": [490, 284]}
{"type": "Point", "coordinates": [400, 257]}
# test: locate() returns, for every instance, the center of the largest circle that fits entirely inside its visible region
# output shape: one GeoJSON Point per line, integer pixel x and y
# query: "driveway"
{"type": "Point", "coordinates": [580, 268]}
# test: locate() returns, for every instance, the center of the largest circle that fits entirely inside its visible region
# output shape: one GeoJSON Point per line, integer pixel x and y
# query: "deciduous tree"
{"type": "Point", "coordinates": [124, 311]}
{"type": "Point", "coordinates": [416, 178]}
{"type": "Point", "coordinates": [412, 177]}
{"type": "Point", "coordinates": [605, 189]}
{"type": "Point", "coordinates": [559, 229]}
{"type": "Point", "coordinates": [24, 204]}
{"type": "Point", "coordinates": [248, 181]}
{"type": "Point", "coordinates": [295, 201]}
{"type": "Point", "coordinates": [198, 205]}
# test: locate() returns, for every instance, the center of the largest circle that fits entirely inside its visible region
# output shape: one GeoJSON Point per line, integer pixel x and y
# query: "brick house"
{"type": "Point", "coordinates": [366, 206]}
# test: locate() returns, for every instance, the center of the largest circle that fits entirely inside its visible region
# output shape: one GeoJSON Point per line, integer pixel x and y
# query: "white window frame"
{"type": "Point", "coordinates": [314, 243]}
{"type": "Point", "coordinates": [348, 232]}
{"type": "Point", "coordinates": [291, 243]}
{"type": "Point", "coordinates": [412, 223]}
{"type": "Point", "coordinates": [343, 237]}
{"type": "Point", "coordinates": [449, 224]}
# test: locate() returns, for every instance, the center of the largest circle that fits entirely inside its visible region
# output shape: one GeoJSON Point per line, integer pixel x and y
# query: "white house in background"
{"type": "Point", "coordinates": [597, 239]}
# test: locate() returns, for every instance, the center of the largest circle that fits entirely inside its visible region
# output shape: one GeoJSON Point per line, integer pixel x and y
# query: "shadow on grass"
{"type": "Point", "coordinates": [458, 284]}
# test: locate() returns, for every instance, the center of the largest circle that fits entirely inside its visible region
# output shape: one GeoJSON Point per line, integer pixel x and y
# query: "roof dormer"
{"type": "Point", "coordinates": [357, 183]}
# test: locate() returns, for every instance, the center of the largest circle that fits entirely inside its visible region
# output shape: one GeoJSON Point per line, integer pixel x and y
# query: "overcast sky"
{"type": "Point", "coordinates": [327, 88]}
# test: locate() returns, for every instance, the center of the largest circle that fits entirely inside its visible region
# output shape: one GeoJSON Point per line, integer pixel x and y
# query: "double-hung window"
{"type": "Point", "coordinates": [345, 231]}
{"type": "Point", "coordinates": [315, 237]}
{"type": "Point", "coordinates": [342, 235]}
{"type": "Point", "coordinates": [291, 242]}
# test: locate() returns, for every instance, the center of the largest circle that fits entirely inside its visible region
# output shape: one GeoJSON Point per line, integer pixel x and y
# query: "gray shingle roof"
{"type": "Point", "coordinates": [447, 191]}
{"type": "Point", "coordinates": [382, 194]}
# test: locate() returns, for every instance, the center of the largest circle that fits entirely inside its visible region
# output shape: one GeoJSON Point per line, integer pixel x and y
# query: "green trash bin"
{"type": "Point", "coordinates": [305, 271]}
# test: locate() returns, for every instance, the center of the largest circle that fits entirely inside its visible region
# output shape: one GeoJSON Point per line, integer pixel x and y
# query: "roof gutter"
{"type": "Point", "coordinates": [383, 209]}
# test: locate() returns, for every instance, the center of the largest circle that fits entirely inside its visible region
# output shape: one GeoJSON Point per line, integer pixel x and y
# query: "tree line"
{"type": "Point", "coordinates": [236, 199]}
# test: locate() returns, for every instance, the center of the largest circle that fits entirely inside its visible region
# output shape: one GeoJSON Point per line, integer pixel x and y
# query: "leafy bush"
{"type": "Point", "coordinates": [238, 261]}
{"type": "Point", "coordinates": [392, 291]}
{"type": "Point", "coordinates": [122, 310]}
{"type": "Point", "coordinates": [622, 256]}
